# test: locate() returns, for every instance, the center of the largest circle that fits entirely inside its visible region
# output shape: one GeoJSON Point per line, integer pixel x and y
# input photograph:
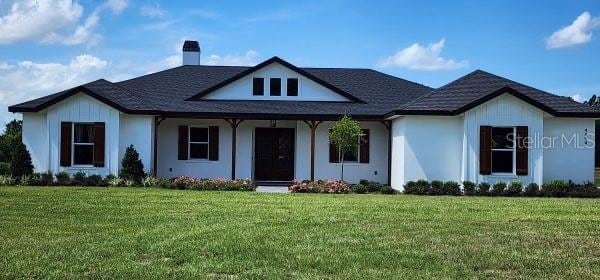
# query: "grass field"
{"type": "Point", "coordinates": [154, 233]}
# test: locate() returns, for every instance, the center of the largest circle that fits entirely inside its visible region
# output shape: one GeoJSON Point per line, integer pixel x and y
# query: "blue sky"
{"type": "Point", "coordinates": [47, 46]}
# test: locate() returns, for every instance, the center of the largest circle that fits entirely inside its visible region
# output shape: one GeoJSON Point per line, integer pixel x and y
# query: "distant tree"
{"type": "Point", "coordinates": [20, 163]}
{"type": "Point", "coordinates": [594, 101]}
{"type": "Point", "coordinates": [9, 139]}
{"type": "Point", "coordinates": [132, 166]}
{"type": "Point", "coordinates": [345, 134]}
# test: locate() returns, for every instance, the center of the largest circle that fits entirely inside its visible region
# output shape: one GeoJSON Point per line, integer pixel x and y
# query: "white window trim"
{"type": "Point", "coordinates": [514, 153]}
{"type": "Point", "coordinates": [73, 143]}
{"type": "Point", "coordinates": [190, 142]}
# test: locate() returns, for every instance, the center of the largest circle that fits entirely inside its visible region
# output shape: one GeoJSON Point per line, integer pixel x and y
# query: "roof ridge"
{"type": "Point", "coordinates": [149, 74]}
{"type": "Point", "coordinates": [125, 90]}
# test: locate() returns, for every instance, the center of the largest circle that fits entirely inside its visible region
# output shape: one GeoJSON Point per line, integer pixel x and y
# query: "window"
{"type": "Point", "coordinates": [258, 86]}
{"type": "Point", "coordinates": [198, 143]}
{"type": "Point", "coordinates": [292, 87]}
{"type": "Point", "coordinates": [352, 156]}
{"type": "Point", "coordinates": [275, 87]}
{"type": "Point", "coordinates": [83, 144]}
{"type": "Point", "coordinates": [503, 149]}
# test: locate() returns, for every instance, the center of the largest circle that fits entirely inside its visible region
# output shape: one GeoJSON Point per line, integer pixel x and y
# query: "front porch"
{"type": "Point", "coordinates": [262, 150]}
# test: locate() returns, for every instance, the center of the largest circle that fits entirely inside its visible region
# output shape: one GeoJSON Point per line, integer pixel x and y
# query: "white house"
{"type": "Point", "coordinates": [270, 123]}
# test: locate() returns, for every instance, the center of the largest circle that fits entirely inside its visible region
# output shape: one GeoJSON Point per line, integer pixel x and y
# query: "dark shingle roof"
{"type": "Point", "coordinates": [376, 95]}
{"type": "Point", "coordinates": [479, 86]}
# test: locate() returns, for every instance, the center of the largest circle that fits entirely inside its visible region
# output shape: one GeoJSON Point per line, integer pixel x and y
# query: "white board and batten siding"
{"type": "Point", "coordinates": [572, 157]}
{"type": "Point", "coordinates": [41, 134]}
{"type": "Point", "coordinates": [447, 148]}
{"type": "Point", "coordinates": [308, 90]}
{"type": "Point", "coordinates": [169, 165]}
{"type": "Point", "coordinates": [505, 110]}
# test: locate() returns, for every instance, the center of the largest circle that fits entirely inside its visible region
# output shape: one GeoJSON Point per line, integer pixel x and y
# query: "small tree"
{"type": "Point", "coordinates": [132, 166]}
{"type": "Point", "coordinates": [344, 134]}
{"type": "Point", "coordinates": [20, 163]}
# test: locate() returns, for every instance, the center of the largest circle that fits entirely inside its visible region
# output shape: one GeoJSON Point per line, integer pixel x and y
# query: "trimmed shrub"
{"type": "Point", "coordinates": [132, 166]}
{"type": "Point", "coordinates": [190, 183]}
{"type": "Point", "coordinates": [555, 188]}
{"type": "Point", "coordinates": [387, 190]}
{"type": "Point", "coordinates": [483, 188]}
{"type": "Point", "coordinates": [419, 187]}
{"type": "Point", "coordinates": [63, 179]}
{"type": "Point", "coordinates": [587, 190]}
{"type": "Point", "coordinates": [436, 188]}
{"type": "Point", "coordinates": [358, 188]}
{"type": "Point", "coordinates": [94, 180]}
{"type": "Point", "coordinates": [79, 179]}
{"type": "Point", "coordinates": [514, 189]}
{"type": "Point", "coordinates": [469, 188]}
{"type": "Point", "coordinates": [498, 188]}
{"type": "Point", "coordinates": [451, 188]}
{"type": "Point", "coordinates": [20, 163]}
{"type": "Point", "coordinates": [320, 186]}
{"type": "Point", "coordinates": [531, 190]}
{"type": "Point", "coordinates": [47, 178]}
{"type": "Point", "coordinates": [165, 183]}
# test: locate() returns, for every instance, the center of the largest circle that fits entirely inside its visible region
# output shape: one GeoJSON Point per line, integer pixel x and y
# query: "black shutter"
{"type": "Point", "coordinates": [213, 143]}
{"type": "Point", "coordinates": [99, 145]}
{"type": "Point", "coordinates": [485, 150]}
{"type": "Point", "coordinates": [522, 150]}
{"type": "Point", "coordinates": [65, 143]}
{"type": "Point", "coordinates": [364, 147]}
{"type": "Point", "coordinates": [183, 142]}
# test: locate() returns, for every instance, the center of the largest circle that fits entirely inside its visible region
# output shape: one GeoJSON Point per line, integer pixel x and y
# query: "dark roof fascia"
{"type": "Point", "coordinates": [73, 91]}
{"type": "Point", "coordinates": [491, 96]}
{"type": "Point", "coordinates": [266, 116]}
{"type": "Point", "coordinates": [265, 63]}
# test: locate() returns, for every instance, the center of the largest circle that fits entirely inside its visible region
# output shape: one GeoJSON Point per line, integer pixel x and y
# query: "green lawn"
{"type": "Point", "coordinates": [153, 233]}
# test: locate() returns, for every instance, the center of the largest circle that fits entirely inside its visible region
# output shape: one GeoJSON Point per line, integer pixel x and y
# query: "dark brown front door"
{"type": "Point", "coordinates": [274, 154]}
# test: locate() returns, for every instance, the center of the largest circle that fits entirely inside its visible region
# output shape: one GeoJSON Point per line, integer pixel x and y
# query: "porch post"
{"type": "Point", "coordinates": [388, 126]}
{"type": "Point", "coordinates": [157, 121]}
{"type": "Point", "coordinates": [234, 123]}
{"type": "Point", "coordinates": [313, 127]}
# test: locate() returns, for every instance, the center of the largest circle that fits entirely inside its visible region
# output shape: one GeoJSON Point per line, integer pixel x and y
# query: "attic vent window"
{"type": "Point", "coordinates": [275, 87]}
{"type": "Point", "coordinates": [292, 87]}
{"type": "Point", "coordinates": [258, 86]}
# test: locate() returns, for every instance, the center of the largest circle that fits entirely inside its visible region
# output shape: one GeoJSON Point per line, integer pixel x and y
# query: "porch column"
{"type": "Point", "coordinates": [157, 121]}
{"type": "Point", "coordinates": [313, 128]}
{"type": "Point", "coordinates": [234, 123]}
{"type": "Point", "coordinates": [388, 126]}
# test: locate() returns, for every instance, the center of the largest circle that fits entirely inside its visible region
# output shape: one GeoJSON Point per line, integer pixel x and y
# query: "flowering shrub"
{"type": "Point", "coordinates": [190, 183]}
{"type": "Point", "coordinates": [329, 186]}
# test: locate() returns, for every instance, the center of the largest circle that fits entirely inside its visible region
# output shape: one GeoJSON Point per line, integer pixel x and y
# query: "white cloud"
{"type": "Point", "coordinates": [579, 98]}
{"type": "Point", "coordinates": [32, 19]}
{"type": "Point", "coordinates": [578, 32]}
{"type": "Point", "coordinates": [417, 57]}
{"type": "Point", "coordinates": [247, 59]}
{"type": "Point", "coordinates": [152, 11]}
{"type": "Point", "coordinates": [84, 33]}
{"type": "Point", "coordinates": [116, 6]}
{"type": "Point", "coordinates": [27, 80]}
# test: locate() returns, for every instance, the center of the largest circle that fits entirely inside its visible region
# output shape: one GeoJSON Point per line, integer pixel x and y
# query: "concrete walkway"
{"type": "Point", "coordinates": [272, 189]}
